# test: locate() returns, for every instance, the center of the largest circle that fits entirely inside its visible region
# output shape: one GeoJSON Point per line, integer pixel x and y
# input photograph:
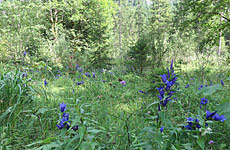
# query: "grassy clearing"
{"type": "Point", "coordinates": [109, 115]}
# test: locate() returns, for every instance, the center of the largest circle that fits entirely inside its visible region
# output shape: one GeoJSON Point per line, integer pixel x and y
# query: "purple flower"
{"type": "Point", "coordinates": [123, 82]}
{"type": "Point", "coordinates": [211, 142]}
{"type": "Point", "coordinates": [103, 81]}
{"type": "Point", "coordinates": [63, 107]}
{"type": "Point", "coordinates": [162, 128]}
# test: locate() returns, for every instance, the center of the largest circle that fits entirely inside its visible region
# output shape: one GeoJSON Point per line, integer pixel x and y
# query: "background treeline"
{"type": "Point", "coordinates": [100, 33]}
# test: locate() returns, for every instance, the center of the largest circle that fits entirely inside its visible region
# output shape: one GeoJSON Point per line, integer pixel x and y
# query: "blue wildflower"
{"type": "Point", "coordinates": [198, 126]}
{"type": "Point", "coordinates": [204, 101]}
{"type": "Point", "coordinates": [66, 115]}
{"type": "Point", "coordinates": [217, 117]}
{"type": "Point", "coordinates": [162, 128]}
{"type": "Point", "coordinates": [189, 126]}
{"type": "Point", "coordinates": [94, 75]}
{"type": "Point", "coordinates": [24, 75]}
{"type": "Point", "coordinates": [187, 86]}
{"type": "Point", "coordinates": [79, 83]}
{"type": "Point", "coordinates": [75, 128]}
{"type": "Point", "coordinates": [164, 77]}
{"type": "Point", "coordinates": [24, 54]}
{"type": "Point", "coordinates": [80, 70]}
{"type": "Point", "coordinates": [128, 67]}
{"type": "Point", "coordinates": [222, 82]}
{"type": "Point", "coordinates": [87, 74]}
{"type": "Point", "coordinates": [61, 125]}
{"type": "Point", "coordinates": [201, 86]}
{"type": "Point", "coordinates": [211, 84]}
{"type": "Point", "coordinates": [171, 67]}
{"type": "Point", "coordinates": [142, 92]}
{"type": "Point", "coordinates": [132, 68]}
{"type": "Point", "coordinates": [45, 83]}
{"type": "Point", "coordinates": [103, 81]}
{"type": "Point", "coordinates": [77, 66]}
{"type": "Point", "coordinates": [63, 107]}
{"type": "Point", "coordinates": [209, 114]}
{"type": "Point", "coordinates": [190, 119]}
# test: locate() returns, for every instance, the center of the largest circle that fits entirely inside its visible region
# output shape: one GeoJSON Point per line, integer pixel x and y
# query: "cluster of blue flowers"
{"type": "Point", "coordinates": [215, 116]}
{"type": "Point", "coordinates": [192, 123]}
{"type": "Point", "coordinates": [64, 122]}
{"type": "Point", "coordinates": [169, 80]}
{"type": "Point", "coordinates": [203, 101]}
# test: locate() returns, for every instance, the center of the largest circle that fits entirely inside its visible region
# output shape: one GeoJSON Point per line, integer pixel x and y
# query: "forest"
{"type": "Point", "coordinates": [114, 74]}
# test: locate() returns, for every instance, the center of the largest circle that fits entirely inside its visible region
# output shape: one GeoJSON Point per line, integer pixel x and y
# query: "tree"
{"type": "Point", "coordinates": [209, 17]}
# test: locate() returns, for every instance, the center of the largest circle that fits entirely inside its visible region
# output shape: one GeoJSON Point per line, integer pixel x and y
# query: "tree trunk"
{"type": "Point", "coordinates": [220, 43]}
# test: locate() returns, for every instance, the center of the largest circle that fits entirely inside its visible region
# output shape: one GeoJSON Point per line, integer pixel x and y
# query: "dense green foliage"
{"type": "Point", "coordinates": [92, 74]}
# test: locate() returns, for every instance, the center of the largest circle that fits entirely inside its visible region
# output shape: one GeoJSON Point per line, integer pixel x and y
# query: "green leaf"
{"type": "Point", "coordinates": [95, 131]}
{"type": "Point", "coordinates": [188, 146]}
{"type": "Point", "coordinates": [152, 104]}
{"type": "Point", "coordinates": [41, 111]}
{"type": "Point", "coordinates": [200, 142]}
{"type": "Point", "coordinates": [210, 90]}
